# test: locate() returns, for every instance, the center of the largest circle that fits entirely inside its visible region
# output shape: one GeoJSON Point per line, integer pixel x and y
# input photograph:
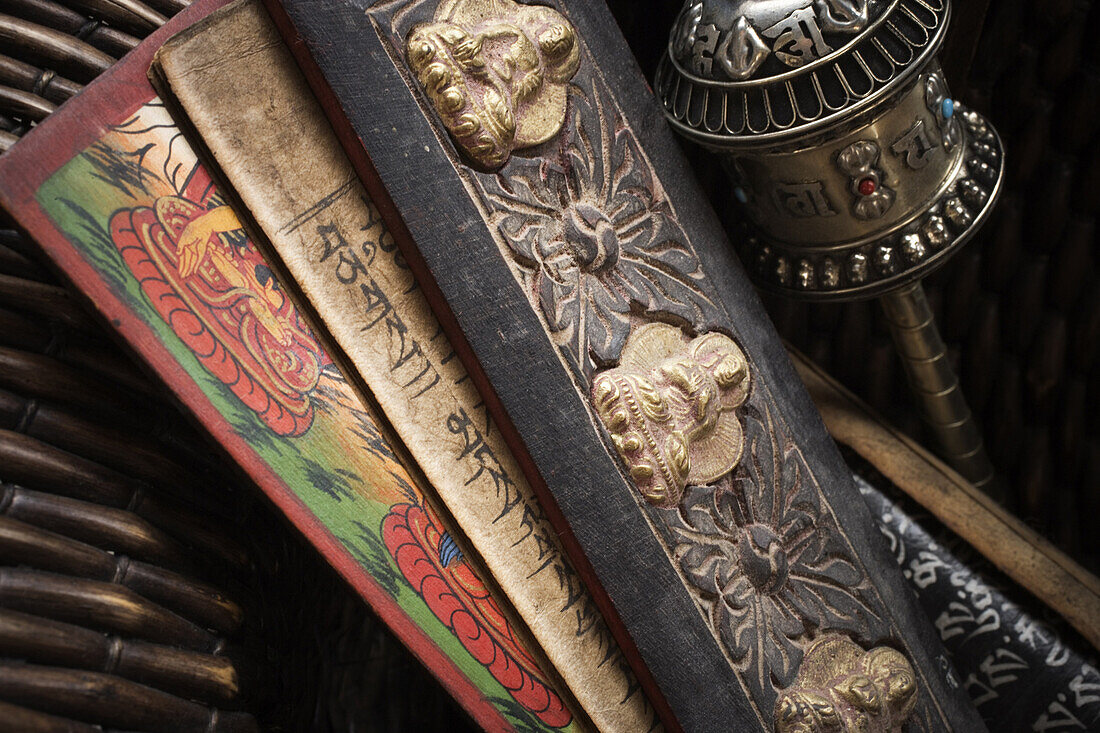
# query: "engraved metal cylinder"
{"type": "Point", "coordinates": [857, 172]}
{"type": "Point", "coordinates": [943, 407]}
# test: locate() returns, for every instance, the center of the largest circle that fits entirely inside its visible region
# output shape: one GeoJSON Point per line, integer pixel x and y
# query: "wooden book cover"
{"type": "Point", "coordinates": [110, 189]}
{"type": "Point", "coordinates": [237, 86]}
{"type": "Point", "coordinates": [527, 175]}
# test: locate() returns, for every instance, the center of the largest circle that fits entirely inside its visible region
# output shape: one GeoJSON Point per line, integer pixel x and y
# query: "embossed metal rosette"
{"type": "Point", "coordinates": [857, 172]}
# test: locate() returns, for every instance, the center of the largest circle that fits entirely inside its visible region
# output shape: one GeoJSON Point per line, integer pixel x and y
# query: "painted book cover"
{"type": "Point", "coordinates": [109, 187]}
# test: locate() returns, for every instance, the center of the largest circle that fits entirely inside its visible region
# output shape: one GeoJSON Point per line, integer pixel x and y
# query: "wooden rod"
{"type": "Point", "coordinates": [102, 606]}
{"type": "Point", "coordinates": [53, 49]}
{"type": "Point", "coordinates": [40, 549]}
{"type": "Point", "coordinates": [114, 530]}
{"type": "Point", "coordinates": [32, 721]}
{"type": "Point", "coordinates": [112, 701]}
{"type": "Point", "coordinates": [129, 15]}
{"type": "Point", "coordinates": [204, 677]}
{"type": "Point", "coordinates": [54, 15]}
{"type": "Point", "coordinates": [49, 301]}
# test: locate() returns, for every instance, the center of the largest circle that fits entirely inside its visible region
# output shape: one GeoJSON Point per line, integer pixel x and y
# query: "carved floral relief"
{"type": "Point", "coordinates": [942, 108]}
{"type": "Point", "coordinates": [592, 232]}
{"type": "Point", "coordinates": [762, 553]}
{"type": "Point", "coordinates": [860, 162]}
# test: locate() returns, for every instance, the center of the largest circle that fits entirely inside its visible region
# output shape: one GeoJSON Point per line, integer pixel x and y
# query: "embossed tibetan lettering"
{"type": "Point", "coordinates": [800, 36]}
{"type": "Point", "coordinates": [842, 688]}
{"type": "Point", "coordinates": [801, 200]}
{"type": "Point", "coordinates": [915, 146]}
{"type": "Point", "coordinates": [496, 72]}
{"type": "Point", "coordinates": [702, 50]}
{"type": "Point", "coordinates": [670, 408]}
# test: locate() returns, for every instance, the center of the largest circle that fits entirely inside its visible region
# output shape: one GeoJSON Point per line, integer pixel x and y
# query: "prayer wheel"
{"type": "Point", "coordinates": [856, 172]}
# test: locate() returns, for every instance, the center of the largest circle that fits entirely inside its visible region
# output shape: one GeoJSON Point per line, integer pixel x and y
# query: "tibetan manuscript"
{"type": "Point", "coordinates": [523, 167]}
{"type": "Point", "coordinates": [236, 83]}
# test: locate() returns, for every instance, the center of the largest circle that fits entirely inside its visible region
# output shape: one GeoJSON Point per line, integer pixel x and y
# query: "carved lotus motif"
{"type": "Point", "coordinates": [765, 557]}
{"type": "Point", "coordinates": [594, 237]}
{"type": "Point", "coordinates": [841, 687]}
{"type": "Point", "coordinates": [496, 72]}
{"type": "Point", "coordinates": [670, 409]}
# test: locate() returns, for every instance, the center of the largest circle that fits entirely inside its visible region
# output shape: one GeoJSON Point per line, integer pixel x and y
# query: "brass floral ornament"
{"type": "Point", "coordinates": [496, 72]}
{"type": "Point", "coordinates": [670, 408]}
{"type": "Point", "coordinates": [841, 688]}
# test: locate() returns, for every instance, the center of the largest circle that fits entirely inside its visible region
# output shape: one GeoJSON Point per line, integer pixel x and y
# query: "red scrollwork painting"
{"type": "Point", "coordinates": [208, 282]}
{"type": "Point", "coordinates": [436, 569]}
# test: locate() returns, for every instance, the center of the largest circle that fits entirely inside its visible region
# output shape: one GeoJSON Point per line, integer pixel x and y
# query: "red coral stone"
{"type": "Point", "coordinates": [866, 187]}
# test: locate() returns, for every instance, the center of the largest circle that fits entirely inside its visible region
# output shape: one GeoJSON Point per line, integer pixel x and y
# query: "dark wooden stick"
{"type": "Point", "coordinates": [43, 467]}
{"type": "Point", "coordinates": [51, 14]}
{"type": "Point", "coordinates": [22, 332]}
{"type": "Point", "coordinates": [96, 605]}
{"type": "Point", "coordinates": [32, 721]}
{"type": "Point", "coordinates": [41, 549]}
{"type": "Point", "coordinates": [14, 240]}
{"type": "Point", "coordinates": [7, 140]}
{"type": "Point", "coordinates": [37, 465]}
{"type": "Point", "coordinates": [105, 359]}
{"type": "Point", "coordinates": [119, 449]}
{"type": "Point", "coordinates": [42, 377]}
{"type": "Point", "coordinates": [53, 49]}
{"type": "Point", "coordinates": [49, 301]}
{"type": "Point", "coordinates": [115, 530]}
{"type": "Point", "coordinates": [112, 701]}
{"type": "Point", "coordinates": [29, 78]}
{"type": "Point", "coordinates": [94, 355]}
{"type": "Point", "coordinates": [24, 105]}
{"type": "Point", "coordinates": [33, 463]}
{"type": "Point", "coordinates": [18, 331]}
{"type": "Point", "coordinates": [12, 262]}
{"type": "Point", "coordinates": [197, 531]}
{"type": "Point", "coordinates": [168, 7]}
{"type": "Point", "coordinates": [204, 677]}
{"type": "Point", "coordinates": [129, 15]}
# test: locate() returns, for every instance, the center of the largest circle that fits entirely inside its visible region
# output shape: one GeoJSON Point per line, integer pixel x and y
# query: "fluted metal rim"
{"type": "Point", "coordinates": [668, 79]}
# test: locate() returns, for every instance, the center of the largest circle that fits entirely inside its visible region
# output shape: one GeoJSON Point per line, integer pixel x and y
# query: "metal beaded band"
{"type": "Point", "coordinates": [856, 169]}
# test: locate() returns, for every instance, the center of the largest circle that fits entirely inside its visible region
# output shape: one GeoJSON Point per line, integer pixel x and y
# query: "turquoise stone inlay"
{"type": "Point", "coordinates": [948, 108]}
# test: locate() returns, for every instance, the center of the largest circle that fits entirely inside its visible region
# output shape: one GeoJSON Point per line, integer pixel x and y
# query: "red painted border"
{"type": "Point", "coordinates": [115, 95]}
